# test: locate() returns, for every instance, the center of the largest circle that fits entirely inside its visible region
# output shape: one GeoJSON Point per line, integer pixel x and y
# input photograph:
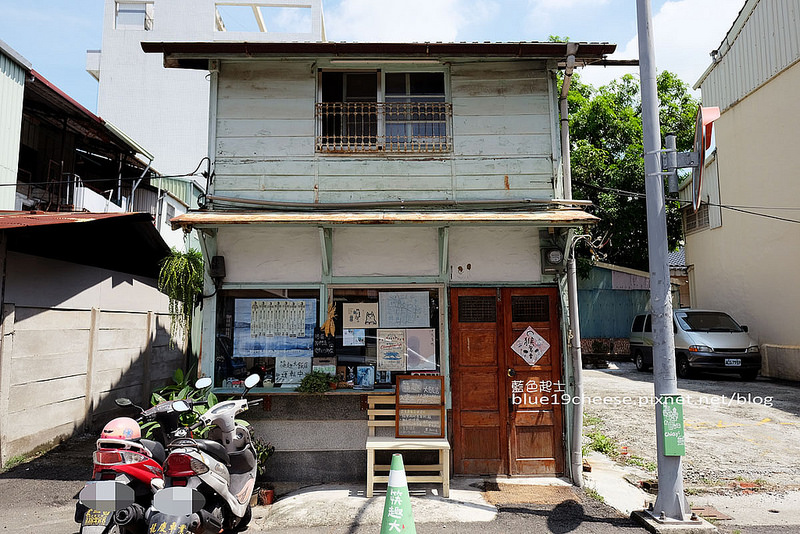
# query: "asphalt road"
{"type": "Point", "coordinates": [39, 497]}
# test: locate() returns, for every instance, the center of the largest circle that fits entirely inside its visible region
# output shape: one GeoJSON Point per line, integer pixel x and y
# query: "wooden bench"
{"type": "Point", "coordinates": [381, 414]}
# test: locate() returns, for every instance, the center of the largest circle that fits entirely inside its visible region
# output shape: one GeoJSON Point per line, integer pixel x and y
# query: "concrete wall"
{"type": "Point", "coordinates": [75, 338]}
{"type": "Point", "coordinates": [747, 266]}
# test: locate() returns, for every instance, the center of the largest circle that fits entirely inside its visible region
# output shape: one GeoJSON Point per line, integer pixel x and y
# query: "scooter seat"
{"type": "Point", "coordinates": [156, 449]}
{"type": "Point", "coordinates": [214, 449]}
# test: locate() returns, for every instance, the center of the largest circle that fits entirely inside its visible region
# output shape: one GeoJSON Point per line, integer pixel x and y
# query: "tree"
{"type": "Point", "coordinates": [607, 160]}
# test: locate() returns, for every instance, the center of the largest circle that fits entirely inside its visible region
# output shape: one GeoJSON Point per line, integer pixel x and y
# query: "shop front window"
{"type": "Point", "coordinates": [378, 334]}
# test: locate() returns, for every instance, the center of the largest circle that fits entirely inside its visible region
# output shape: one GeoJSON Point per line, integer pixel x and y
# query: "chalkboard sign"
{"type": "Point", "coordinates": [420, 390]}
{"type": "Point", "coordinates": [323, 345]}
{"type": "Point", "coordinates": [419, 422]}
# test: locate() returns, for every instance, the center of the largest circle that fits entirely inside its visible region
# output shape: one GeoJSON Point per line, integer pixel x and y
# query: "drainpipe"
{"type": "Point", "coordinates": [576, 455]}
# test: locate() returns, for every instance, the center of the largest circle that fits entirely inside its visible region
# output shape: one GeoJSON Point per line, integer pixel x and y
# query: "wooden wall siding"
{"type": "Point", "coordinates": [59, 357]}
{"type": "Point", "coordinates": [502, 129]}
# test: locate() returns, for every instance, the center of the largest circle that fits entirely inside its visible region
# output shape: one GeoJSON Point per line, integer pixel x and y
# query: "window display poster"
{"type": "Point", "coordinates": [353, 337]}
{"type": "Point", "coordinates": [391, 350]}
{"type": "Point", "coordinates": [290, 370]}
{"type": "Point", "coordinates": [365, 377]}
{"type": "Point", "coordinates": [421, 349]}
{"type": "Point", "coordinates": [359, 315]}
{"type": "Point", "coordinates": [274, 327]}
{"type": "Point", "coordinates": [404, 309]}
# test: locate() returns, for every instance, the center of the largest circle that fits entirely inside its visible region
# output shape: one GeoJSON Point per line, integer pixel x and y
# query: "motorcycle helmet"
{"type": "Point", "coordinates": [121, 428]}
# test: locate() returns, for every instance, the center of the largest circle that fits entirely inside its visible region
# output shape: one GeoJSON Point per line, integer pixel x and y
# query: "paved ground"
{"type": "Point", "coordinates": [743, 441]}
{"type": "Point", "coordinates": [38, 497]}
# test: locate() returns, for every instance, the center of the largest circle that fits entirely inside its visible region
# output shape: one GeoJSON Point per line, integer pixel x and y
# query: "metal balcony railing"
{"type": "Point", "coordinates": [383, 127]}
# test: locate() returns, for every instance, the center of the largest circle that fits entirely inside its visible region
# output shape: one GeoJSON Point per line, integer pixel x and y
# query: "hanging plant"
{"type": "Point", "coordinates": [181, 279]}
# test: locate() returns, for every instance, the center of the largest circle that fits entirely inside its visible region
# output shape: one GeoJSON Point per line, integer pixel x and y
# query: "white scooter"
{"type": "Point", "coordinates": [209, 482]}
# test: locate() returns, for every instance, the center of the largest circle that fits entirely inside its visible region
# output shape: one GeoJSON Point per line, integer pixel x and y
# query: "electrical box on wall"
{"type": "Point", "coordinates": [551, 246]}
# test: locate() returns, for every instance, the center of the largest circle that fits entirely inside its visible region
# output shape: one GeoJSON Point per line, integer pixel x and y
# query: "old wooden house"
{"type": "Point", "coordinates": [412, 195]}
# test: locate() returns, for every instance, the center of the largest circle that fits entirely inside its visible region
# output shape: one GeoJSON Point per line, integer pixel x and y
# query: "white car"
{"type": "Point", "coordinates": [706, 340]}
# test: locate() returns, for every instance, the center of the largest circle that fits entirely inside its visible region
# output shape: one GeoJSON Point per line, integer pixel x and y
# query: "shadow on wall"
{"type": "Point", "coordinates": [62, 370]}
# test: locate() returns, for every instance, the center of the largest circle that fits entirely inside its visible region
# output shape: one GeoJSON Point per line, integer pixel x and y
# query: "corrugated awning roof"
{"type": "Point", "coordinates": [124, 242]}
{"type": "Point", "coordinates": [213, 219]}
{"type": "Point", "coordinates": [194, 55]}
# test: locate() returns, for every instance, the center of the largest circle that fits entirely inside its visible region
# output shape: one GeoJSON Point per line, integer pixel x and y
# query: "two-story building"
{"type": "Point", "coordinates": [411, 192]}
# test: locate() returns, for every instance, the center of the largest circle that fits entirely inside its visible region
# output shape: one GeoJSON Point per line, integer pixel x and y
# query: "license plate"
{"type": "Point", "coordinates": [733, 362]}
{"type": "Point", "coordinates": [96, 517]}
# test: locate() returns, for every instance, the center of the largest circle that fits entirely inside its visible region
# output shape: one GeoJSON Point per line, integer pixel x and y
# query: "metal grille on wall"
{"type": "Point", "coordinates": [530, 309]}
{"type": "Point", "coordinates": [393, 127]}
{"type": "Point", "coordinates": [475, 309]}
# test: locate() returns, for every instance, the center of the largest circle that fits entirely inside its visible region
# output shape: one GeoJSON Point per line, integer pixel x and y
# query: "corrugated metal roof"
{"type": "Point", "coordinates": [123, 242]}
{"type": "Point", "coordinates": [187, 54]}
{"type": "Point", "coordinates": [18, 219]}
{"type": "Point", "coordinates": [565, 217]}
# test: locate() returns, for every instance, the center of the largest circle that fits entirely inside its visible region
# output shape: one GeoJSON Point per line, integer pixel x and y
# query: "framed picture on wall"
{"type": "Point", "coordinates": [365, 377]}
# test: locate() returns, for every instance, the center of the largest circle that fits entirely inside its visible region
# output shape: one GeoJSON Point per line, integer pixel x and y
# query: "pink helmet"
{"type": "Point", "coordinates": [121, 428]}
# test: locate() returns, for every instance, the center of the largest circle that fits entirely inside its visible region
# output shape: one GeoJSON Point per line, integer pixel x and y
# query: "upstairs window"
{"type": "Point", "coordinates": [394, 112]}
{"type": "Point", "coordinates": [134, 16]}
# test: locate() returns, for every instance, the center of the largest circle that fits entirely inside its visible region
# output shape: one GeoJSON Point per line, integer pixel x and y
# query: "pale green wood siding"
{"type": "Point", "coordinates": [502, 137]}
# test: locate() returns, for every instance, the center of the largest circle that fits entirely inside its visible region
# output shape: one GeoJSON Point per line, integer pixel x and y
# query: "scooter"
{"type": "Point", "coordinates": [209, 482]}
{"type": "Point", "coordinates": [127, 468]}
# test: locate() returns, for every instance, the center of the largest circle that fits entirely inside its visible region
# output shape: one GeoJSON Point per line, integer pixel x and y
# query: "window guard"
{"type": "Point", "coordinates": [383, 127]}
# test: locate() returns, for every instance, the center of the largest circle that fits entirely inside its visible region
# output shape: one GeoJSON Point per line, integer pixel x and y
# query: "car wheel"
{"type": "Point", "coordinates": [684, 371]}
{"type": "Point", "coordinates": [748, 375]}
{"type": "Point", "coordinates": [639, 361]}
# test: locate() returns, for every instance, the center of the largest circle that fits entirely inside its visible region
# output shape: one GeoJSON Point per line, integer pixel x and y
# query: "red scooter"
{"type": "Point", "coordinates": [127, 469]}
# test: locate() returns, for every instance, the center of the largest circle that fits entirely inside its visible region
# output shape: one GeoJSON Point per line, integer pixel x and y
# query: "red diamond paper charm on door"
{"type": "Point", "coordinates": [530, 346]}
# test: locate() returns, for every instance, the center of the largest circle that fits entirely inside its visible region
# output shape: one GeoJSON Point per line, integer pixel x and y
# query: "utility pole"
{"type": "Point", "coordinates": [671, 505]}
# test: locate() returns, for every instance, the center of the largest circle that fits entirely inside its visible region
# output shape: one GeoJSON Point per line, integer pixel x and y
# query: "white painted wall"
{"type": "Point", "coordinates": [495, 254]}
{"type": "Point", "coordinates": [12, 89]}
{"type": "Point", "coordinates": [270, 254]}
{"type": "Point", "coordinates": [748, 266]}
{"type": "Point", "coordinates": [385, 251]}
{"type": "Point", "coordinates": [42, 282]}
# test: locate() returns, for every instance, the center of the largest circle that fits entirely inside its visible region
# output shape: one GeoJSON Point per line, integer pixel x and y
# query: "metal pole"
{"type": "Point", "coordinates": [576, 454]}
{"type": "Point", "coordinates": [671, 502]}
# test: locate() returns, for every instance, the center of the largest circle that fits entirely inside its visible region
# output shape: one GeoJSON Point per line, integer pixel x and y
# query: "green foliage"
{"type": "Point", "coordinates": [638, 461]}
{"type": "Point", "coordinates": [182, 388]}
{"type": "Point", "coordinates": [316, 382]}
{"type": "Point", "coordinates": [264, 450]}
{"type": "Point", "coordinates": [181, 279]}
{"type": "Point", "coordinates": [607, 158]}
{"type": "Point", "coordinates": [603, 444]}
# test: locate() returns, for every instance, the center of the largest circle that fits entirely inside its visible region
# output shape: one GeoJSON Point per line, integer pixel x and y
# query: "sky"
{"type": "Point", "coordinates": [54, 35]}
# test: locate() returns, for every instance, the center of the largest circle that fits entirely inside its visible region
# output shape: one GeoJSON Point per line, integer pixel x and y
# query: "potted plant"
{"type": "Point", "coordinates": [264, 450]}
{"type": "Point", "coordinates": [316, 382]}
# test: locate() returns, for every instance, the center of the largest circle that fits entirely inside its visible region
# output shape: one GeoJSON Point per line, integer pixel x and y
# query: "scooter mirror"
{"type": "Point", "coordinates": [251, 381]}
{"type": "Point", "coordinates": [203, 382]}
{"type": "Point", "coordinates": [180, 406]}
{"type": "Point", "coordinates": [122, 401]}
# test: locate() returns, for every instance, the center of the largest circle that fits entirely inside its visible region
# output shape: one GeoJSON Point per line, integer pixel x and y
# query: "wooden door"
{"type": "Point", "coordinates": [495, 431]}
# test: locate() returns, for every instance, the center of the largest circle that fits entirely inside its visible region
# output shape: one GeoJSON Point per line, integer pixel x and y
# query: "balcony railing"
{"type": "Point", "coordinates": [384, 127]}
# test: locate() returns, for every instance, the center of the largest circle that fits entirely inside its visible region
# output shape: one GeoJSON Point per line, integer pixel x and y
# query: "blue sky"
{"type": "Point", "coordinates": [55, 34]}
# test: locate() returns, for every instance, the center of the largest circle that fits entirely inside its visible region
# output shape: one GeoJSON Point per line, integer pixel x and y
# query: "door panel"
{"type": "Point", "coordinates": [504, 417]}
{"type": "Point", "coordinates": [478, 417]}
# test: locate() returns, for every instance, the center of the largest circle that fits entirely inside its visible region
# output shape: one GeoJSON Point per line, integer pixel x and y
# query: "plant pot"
{"type": "Point", "coordinates": [266, 496]}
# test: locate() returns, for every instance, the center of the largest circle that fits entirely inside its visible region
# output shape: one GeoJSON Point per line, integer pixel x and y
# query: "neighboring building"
{"type": "Point", "coordinates": [412, 189]}
{"type": "Point", "coordinates": [55, 155]}
{"type": "Point", "coordinates": [742, 260]}
{"type": "Point", "coordinates": [82, 323]}
{"type": "Point", "coordinates": [167, 110]}
{"type": "Point", "coordinates": [610, 297]}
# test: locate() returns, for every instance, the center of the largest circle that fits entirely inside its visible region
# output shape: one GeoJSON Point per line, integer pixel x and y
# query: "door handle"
{"type": "Point", "coordinates": [511, 373]}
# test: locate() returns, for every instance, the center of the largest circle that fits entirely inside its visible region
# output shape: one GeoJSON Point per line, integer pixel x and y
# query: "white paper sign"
{"type": "Point", "coordinates": [530, 346]}
{"type": "Point", "coordinates": [291, 370]}
{"type": "Point", "coordinates": [404, 309]}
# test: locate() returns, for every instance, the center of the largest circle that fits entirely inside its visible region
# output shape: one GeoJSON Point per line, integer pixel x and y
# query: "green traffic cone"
{"type": "Point", "coordinates": [397, 515]}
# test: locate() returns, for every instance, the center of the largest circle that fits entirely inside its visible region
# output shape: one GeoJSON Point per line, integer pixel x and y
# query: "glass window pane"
{"type": "Point", "coordinates": [395, 83]}
{"type": "Point", "coordinates": [427, 83]}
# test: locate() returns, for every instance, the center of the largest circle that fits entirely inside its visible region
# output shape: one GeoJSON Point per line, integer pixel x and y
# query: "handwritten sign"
{"type": "Point", "coordinates": [323, 345]}
{"type": "Point", "coordinates": [359, 314]}
{"type": "Point", "coordinates": [420, 422]}
{"type": "Point", "coordinates": [420, 390]}
{"type": "Point", "coordinates": [290, 370]}
{"type": "Point", "coordinates": [530, 346]}
{"type": "Point", "coordinates": [404, 309]}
